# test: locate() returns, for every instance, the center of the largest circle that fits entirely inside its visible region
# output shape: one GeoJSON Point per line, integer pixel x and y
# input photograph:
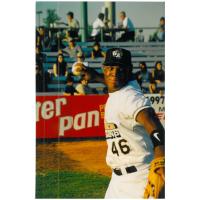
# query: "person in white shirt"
{"type": "Point", "coordinates": [128, 25]}
{"type": "Point", "coordinates": [97, 25]}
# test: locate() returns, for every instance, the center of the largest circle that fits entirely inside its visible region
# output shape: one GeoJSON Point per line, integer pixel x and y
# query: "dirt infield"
{"type": "Point", "coordinates": [82, 156]}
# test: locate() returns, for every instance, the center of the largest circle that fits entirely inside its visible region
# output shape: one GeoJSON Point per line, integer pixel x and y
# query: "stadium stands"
{"type": "Point", "coordinates": [149, 52]}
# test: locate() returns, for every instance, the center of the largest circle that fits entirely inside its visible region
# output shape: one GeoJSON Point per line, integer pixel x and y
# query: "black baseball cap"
{"type": "Point", "coordinates": [118, 57]}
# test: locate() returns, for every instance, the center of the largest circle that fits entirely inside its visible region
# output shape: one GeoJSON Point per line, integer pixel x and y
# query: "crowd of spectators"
{"type": "Point", "coordinates": [153, 80]}
{"type": "Point", "coordinates": [66, 46]}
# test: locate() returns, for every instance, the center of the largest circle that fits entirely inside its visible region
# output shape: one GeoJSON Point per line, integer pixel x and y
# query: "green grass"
{"type": "Point", "coordinates": [71, 185]}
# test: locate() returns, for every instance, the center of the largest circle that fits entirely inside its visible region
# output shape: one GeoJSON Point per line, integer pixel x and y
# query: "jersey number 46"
{"type": "Point", "coordinates": [122, 146]}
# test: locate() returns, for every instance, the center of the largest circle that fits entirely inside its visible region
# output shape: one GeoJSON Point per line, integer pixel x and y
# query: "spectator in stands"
{"type": "Point", "coordinates": [97, 51]}
{"type": "Point", "coordinates": [97, 25]}
{"type": "Point", "coordinates": [72, 49]}
{"type": "Point", "coordinates": [161, 31]}
{"type": "Point", "coordinates": [40, 37]}
{"type": "Point", "coordinates": [60, 67]}
{"type": "Point", "coordinates": [143, 76]}
{"type": "Point", "coordinates": [70, 90]}
{"type": "Point", "coordinates": [140, 36]}
{"type": "Point", "coordinates": [81, 59]}
{"type": "Point", "coordinates": [157, 77]}
{"type": "Point", "coordinates": [83, 88]}
{"type": "Point", "coordinates": [73, 25]}
{"type": "Point", "coordinates": [158, 74]}
{"type": "Point", "coordinates": [128, 25]}
{"type": "Point", "coordinates": [42, 78]}
{"type": "Point", "coordinates": [159, 35]}
{"type": "Point", "coordinates": [40, 57]}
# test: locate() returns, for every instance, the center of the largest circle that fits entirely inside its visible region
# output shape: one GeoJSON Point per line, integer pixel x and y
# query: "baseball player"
{"type": "Point", "coordinates": [134, 134]}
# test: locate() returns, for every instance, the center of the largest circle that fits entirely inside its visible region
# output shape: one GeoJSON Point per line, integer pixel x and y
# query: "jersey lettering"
{"type": "Point", "coordinates": [111, 131]}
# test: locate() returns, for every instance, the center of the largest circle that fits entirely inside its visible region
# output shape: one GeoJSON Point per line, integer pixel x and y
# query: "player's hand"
{"type": "Point", "coordinates": [90, 74]}
{"type": "Point", "coordinates": [156, 180]}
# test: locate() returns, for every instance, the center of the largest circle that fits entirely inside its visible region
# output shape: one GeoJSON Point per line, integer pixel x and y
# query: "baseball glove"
{"type": "Point", "coordinates": [156, 180]}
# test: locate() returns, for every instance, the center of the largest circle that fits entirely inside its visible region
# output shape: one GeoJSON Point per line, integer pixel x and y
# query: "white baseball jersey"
{"type": "Point", "coordinates": [128, 142]}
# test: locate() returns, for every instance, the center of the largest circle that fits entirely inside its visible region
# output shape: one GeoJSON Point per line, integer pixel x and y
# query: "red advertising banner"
{"type": "Point", "coordinates": [78, 116]}
{"type": "Point", "coordinates": [70, 116]}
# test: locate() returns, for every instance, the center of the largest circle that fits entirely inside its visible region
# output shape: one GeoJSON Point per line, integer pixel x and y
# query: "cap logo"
{"type": "Point", "coordinates": [117, 54]}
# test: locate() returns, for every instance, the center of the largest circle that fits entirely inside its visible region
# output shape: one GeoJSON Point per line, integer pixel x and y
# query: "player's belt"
{"type": "Point", "coordinates": [128, 170]}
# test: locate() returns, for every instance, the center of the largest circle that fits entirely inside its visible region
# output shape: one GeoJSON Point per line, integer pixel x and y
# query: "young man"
{"type": "Point", "coordinates": [73, 24]}
{"type": "Point", "coordinates": [134, 134]}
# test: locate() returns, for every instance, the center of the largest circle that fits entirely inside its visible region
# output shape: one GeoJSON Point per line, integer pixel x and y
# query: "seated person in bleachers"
{"type": "Point", "coordinates": [128, 25]}
{"type": "Point", "coordinates": [97, 51]}
{"type": "Point", "coordinates": [83, 88]}
{"type": "Point", "coordinates": [42, 78]}
{"type": "Point", "coordinates": [97, 25]}
{"type": "Point", "coordinates": [60, 67]}
{"type": "Point", "coordinates": [40, 37]}
{"type": "Point", "coordinates": [72, 49]}
{"type": "Point", "coordinates": [40, 57]}
{"type": "Point", "coordinates": [143, 75]}
{"type": "Point", "coordinates": [140, 36]}
{"type": "Point", "coordinates": [159, 35]}
{"type": "Point", "coordinates": [158, 74]}
{"type": "Point", "coordinates": [157, 77]}
{"type": "Point", "coordinates": [73, 25]}
{"type": "Point", "coordinates": [70, 90]}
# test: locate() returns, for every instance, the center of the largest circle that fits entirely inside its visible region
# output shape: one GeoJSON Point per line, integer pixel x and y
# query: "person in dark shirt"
{"type": "Point", "coordinates": [96, 51]}
{"type": "Point", "coordinates": [42, 79]}
{"type": "Point", "coordinates": [157, 77]}
{"type": "Point", "coordinates": [70, 90]}
{"type": "Point", "coordinates": [158, 74]}
{"type": "Point", "coordinates": [40, 57]}
{"type": "Point", "coordinates": [60, 67]}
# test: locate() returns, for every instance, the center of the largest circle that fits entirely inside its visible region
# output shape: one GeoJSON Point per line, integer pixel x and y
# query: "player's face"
{"type": "Point", "coordinates": [115, 77]}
